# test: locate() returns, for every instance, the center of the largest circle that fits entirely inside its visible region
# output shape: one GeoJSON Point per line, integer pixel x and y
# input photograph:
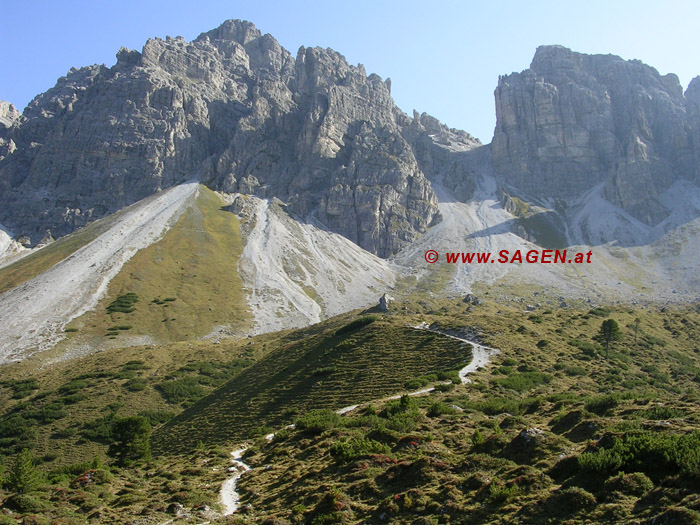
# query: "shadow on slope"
{"type": "Point", "coordinates": [332, 365]}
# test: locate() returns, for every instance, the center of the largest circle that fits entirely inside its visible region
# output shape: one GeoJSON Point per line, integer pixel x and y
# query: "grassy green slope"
{"type": "Point", "coordinates": [187, 283]}
{"type": "Point", "coordinates": [589, 419]}
{"type": "Point", "coordinates": [449, 457]}
{"type": "Point", "coordinates": [322, 369]}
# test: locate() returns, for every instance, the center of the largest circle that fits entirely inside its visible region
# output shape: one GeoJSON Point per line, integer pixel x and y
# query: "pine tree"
{"type": "Point", "coordinates": [609, 332]}
{"type": "Point", "coordinates": [23, 476]}
{"type": "Point", "coordinates": [131, 439]}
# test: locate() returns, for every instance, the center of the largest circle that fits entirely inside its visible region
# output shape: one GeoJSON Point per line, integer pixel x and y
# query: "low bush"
{"type": "Point", "coordinates": [123, 304]}
{"type": "Point", "coordinates": [357, 447]}
{"type": "Point", "coordinates": [648, 452]}
{"type": "Point", "coordinates": [181, 389]}
{"type": "Point", "coordinates": [523, 381]}
{"type": "Point", "coordinates": [576, 498]}
{"type": "Point", "coordinates": [440, 409]}
{"type": "Point", "coordinates": [634, 484]}
{"type": "Point", "coordinates": [318, 421]}
{"type": "Point", "coordinates": [136, 384]}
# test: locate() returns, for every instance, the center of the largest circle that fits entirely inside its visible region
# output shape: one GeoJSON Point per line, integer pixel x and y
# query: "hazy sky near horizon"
{"type": "Point", "coordinates": [443, 57]}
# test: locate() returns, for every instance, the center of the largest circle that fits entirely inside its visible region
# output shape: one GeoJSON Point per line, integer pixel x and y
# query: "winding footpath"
{"type": "Point", "coordinates": [230, 499]}
{"type": "Point", "coordinates": [481, 356]}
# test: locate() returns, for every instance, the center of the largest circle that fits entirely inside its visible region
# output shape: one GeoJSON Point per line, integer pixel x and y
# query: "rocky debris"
{"type": "Point", "coordinates": [384, 302]}
{"type": "Point", "coordinates": [530, 435]}
{"type": "Point", "coordinates": [573, 121]}
{"type": "Point", "coordinates": [46, 239]}
{"type": "Point", "coordinates": [236, 110]}
{"type": "Point", "coordinates": [238, 205]}
{"type": "Point", "coordinates": [177, 510]}
{"type": "Point", "coordinates": [471, 299]}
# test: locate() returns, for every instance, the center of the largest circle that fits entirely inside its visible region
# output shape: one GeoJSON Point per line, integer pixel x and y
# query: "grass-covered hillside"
{"type": "Point", "coordinates": [186, 285]}
{"type": "Point", "coordinates": [551, 432]}
{"type": "Point", "coordinates": [330, 365]}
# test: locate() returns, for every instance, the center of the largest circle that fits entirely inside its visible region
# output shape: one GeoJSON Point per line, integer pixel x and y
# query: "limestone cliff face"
{"type": "Point", "coordinates": [232, 108]}
{"type": "Point", "coordinates": [572, 121]}
{"type": "Point", "coordinates": [10, 119]}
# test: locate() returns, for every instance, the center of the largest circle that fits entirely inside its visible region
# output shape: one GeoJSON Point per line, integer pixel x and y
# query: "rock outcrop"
{"type": "Point", "coordinates": [233, 109]}
{"type": "Point", "coordinates": [573, 121]}
{"type": "Point", "coordinates": [10, 118]}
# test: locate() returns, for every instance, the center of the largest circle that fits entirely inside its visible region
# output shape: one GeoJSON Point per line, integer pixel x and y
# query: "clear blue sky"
{"type": "Point", "coordinates": [443, 57]}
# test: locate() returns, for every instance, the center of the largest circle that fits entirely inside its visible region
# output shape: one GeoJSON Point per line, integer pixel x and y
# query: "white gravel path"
{"type": "Point", "coordinates": [230, 499]}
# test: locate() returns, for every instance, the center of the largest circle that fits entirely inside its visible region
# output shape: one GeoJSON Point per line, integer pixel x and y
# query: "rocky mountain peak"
{"type": "Point", "coordinates": [573, 121]}
{"type": "Point", "coordinates": [552, 57]}
{"type": "Point", "coordinates": [234, 109]}
{"type": "Point", "coordinates": [240, 31]}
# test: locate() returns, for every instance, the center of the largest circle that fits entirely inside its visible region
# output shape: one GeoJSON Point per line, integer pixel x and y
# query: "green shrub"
{"type": "Point", "coordinates": [123, 304]}
{"type": "Point", "coordinates": [156, 417]}
{"type": "Point", "coordinates": [26, 503]}
{"type": "Point", "coordinates": [601, 404]}
{"type": "Point", "coordinates": [499, 405]}
{"type": "Point", "coordinates": [21, 388]}
{"type": "Point", "coordinates": [648, 452]}
{"type": "Point", "coordinates": [99, 430]}
{"type": "Point", "coordinates": [135, 364]}
{"type": "Point", "coordinates": [440, 409]}
{"type": "Point", "coordinates": [74, 398]}
{"type": "Point", "coordinates": [318, 421]}
{"type": "Point", "coordinates": [634, 484]}
{"type": "Point", "coordinates": [181, 389]}
{"type": "Point", "coordinates": [576, 498]}
{"type": "Point", "coordinates": [575, 371]}
{"type": "Point", "coordinates": [501, 493]}
{"type": "Point", "coordinates": [73, 386]}
{"type": "Point", "coordinates": [660, 412]}
{"type": "Point", "coordinates": [523, 381]}
{"type": "Point", "coordinates": [587, 347]}
{"type": "Point", "coordinates": [136, 384]}
{"type": "Point", "coordinates": [323, 371]}
{"type": "Point", "coordinates": [450, 375]}
{"type": "Point", "coordinates": [356, 447]}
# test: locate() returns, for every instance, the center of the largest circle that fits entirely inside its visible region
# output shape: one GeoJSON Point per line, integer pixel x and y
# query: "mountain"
{"type": "Point", "coordinates": [192, 248]}
{"type": "Point", "coordinates": [300, 178]}
{"type": "Point", "coordinates": [573, 121]}
{"type": "Point", "coordinates": [239, 113]}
